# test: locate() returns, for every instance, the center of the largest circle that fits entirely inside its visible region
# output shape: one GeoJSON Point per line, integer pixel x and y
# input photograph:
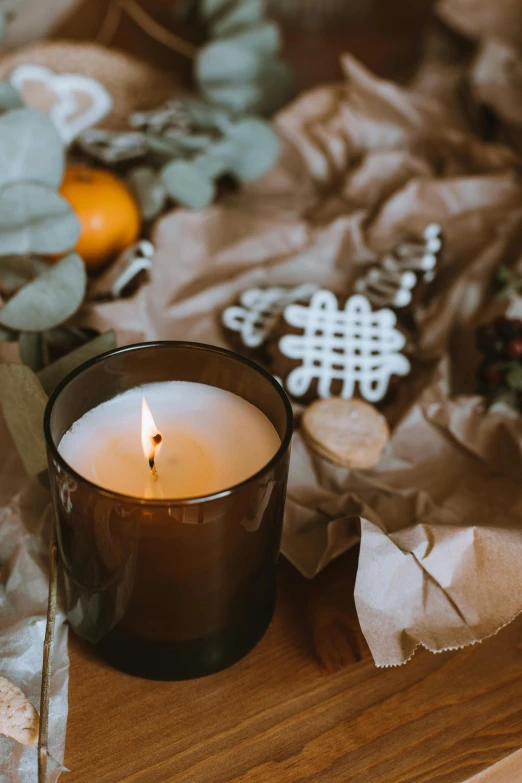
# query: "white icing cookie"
{"type": "Point", "coordinates": [259, 309]}
{"type": "Point", "coordinates": [391, 283]}
{"type": "Point", "coordinates": [74, 102]}
{"type": "Point", "coordinates": [355, 347]}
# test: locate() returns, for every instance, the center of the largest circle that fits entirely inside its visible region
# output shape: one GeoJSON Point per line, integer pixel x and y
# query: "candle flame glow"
{"type": "Point", "coordinates": [150, 436]}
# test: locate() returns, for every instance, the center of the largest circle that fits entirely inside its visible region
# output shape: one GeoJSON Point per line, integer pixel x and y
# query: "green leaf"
{"type": "Point", "coordinates": [9, 97]}
{"type": "Point", "coordinates": [23, 402]}
{"type": "Point", "coordinates": [51, 376]}
{"type": "Point", "coordinates": [63, 339]}
{"type": "Point", "coordinates": [238, 98]}
{"type": "Point", "coordinates": [7, 335]}
{"type": "Point", "coordinates": [48, 300]}
{"type": "Point", "coordinates": [270, 89]}
{"type": "Point", "coordinates": [32, 350]}
{"type": "Point", "coordinates": [163, 147]}
{"type": "Point", "coordinates": [16, 271]}
{"type": "Point", "coordinates": [503, 274]}
{"type": "Point", "coordinates": [257, 145]}
{"type": "Point", "coordinates": [30, 148]}
{"type": "Point", "coordinates": [203, 115]}
{"type": "Point", "coordinates": [149, 190]}
{"type": "Point", "coordinates": [514, 376]}
{"type": "Point", "coordinates": [263, 38]}
{"type": "Point", "coordinates": [227, 63]}
{"type": "Point", "coordinates": [217, 161]}
{"type": "Point", "coordinates": [224, 16]}
{"type": "Point", "coordinates": [187, 184]}
{"type": "Point", "coordinates": [35, 219]}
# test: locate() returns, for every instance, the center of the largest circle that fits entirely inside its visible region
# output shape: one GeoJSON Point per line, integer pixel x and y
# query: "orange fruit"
{"type": "Point", "coordinates": [108, 213]}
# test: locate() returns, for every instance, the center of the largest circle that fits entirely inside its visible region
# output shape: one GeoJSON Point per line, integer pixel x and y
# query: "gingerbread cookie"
{"type": "Point", "coordinates": [394, 281]}
{"type": "Point", "coordinates": [350, 433]}
{"type": "Point", "coordinates": [326, 348]}
{"type": "Point", "coordinates": [249, 322]}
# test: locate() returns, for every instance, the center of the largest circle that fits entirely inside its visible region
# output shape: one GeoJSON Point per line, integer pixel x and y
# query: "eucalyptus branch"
{"type": "Point", "coordinates": [43, 736]}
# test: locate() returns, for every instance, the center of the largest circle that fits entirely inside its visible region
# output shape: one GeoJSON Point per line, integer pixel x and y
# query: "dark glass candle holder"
{"type": "Point", "coordinates": [168, 589]}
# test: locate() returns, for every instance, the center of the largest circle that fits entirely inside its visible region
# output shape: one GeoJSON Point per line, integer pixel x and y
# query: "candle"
{"type": "Point", "coordinates": [168, 465]}
{"type": "Point", "coordinates": [175, 439]}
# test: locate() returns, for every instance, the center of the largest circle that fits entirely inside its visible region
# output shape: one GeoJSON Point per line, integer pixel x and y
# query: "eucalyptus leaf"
{"type": "Point", "coordinates": [35, 219]}
{"type": "Point", "coordinates": [195, 142]}
{"type": "Point", "coordinates": [187, 184]}
{"type": "Point", "coordinates": [49, 299]}
{"type": "Point", "coordinates": [208, 10]}
{"type": "Point", "coordinates": [225, 17]}
{"type": "Point", "coordinates": [51, 376]}
{"type": "Point", "coordinates": [9, 97]}
{"type": "Point", "coordinates": [163, 147]}
{"type": "Point", "coordinates": [514, 376]}
{"type": "Point", "coordinates": [149, 190]}
{"type": "Point", "coordinates": [277, 88]}
{"type": "Point", "coordinates": [258, 148]}
{"type": "Point", "coordinates": [264, 38]}
{"type": "Point", "coordinates": [217, 161]}
{"type": "Point", "coordinates": [238, 98]}
{"type": "Point", "coordinates": [226, 62]}
{"type": "Point", "coordinates": [263, 95]}
{"type": "Point", "coordinates": [16, 271]}
{"type": "Point", "coordinates": [63, 339]}
{"type": "Point", "coordinates": [32, 350]}
{"type": "Point", "coordinates": [30, 148]}
{"type": "Point", "coordinates": [203, 115]}
{"type": "Point", "coordinates": [7, 335]}
{"type": "Point", "coordinates": [23, 402]}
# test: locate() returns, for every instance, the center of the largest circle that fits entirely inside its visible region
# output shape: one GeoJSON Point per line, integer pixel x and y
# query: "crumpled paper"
{"type": "Point", "coordinates": [365, 164]}
{"type": "Point", "coordinates": [480, 79]}
{"type": "Point", "coordinates": [25, 519]}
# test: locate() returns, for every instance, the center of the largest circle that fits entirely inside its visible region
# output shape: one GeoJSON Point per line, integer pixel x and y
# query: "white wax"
{"type": "Point", "coordinates": [212, 440]}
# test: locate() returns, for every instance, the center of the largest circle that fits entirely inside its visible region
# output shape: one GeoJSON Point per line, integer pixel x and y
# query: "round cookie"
{"type": "Point", "coordinates": [250, 320]}
{"type": "Point", "coordinates": [350, 433]}
{"type": "Point", "coordinates": [330, 347]}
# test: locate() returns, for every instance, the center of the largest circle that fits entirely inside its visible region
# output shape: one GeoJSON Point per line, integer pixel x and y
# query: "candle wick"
{"type": "Point", "coordinates": [156, 440]}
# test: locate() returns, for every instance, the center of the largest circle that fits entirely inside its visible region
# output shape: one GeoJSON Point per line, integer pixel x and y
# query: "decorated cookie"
{"type": "Point", "coordinates": [324, 349]}
{"type": "Point", "coordinates": [249, 322]}
{"type": "Point", "coordinates": [394, 281]}
{"type": "Point", "coordinates": [350, 433]}
{"type": "Point", "coordinates": [73, 101]}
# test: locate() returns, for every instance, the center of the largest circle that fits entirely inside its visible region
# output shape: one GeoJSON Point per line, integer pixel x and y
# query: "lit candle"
{"type": "Point", "coordinates": [174, 439]}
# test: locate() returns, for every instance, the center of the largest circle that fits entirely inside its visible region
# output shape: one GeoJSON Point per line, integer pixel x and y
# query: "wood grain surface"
{"type": "Point", "coordinates": [307, 705]}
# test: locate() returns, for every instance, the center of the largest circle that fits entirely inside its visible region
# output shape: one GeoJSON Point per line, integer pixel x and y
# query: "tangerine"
{"type": "Point", "coordinates": [108, 213]}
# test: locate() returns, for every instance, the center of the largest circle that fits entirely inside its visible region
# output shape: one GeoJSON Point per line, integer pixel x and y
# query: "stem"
{"type": "Point", "coordinates": [146, 23]}
{"type": "Point", "coordinates": [47, 661]}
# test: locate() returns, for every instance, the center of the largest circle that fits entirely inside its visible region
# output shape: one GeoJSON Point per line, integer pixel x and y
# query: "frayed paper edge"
{"type": "Point", "coordinates": [447, 649]}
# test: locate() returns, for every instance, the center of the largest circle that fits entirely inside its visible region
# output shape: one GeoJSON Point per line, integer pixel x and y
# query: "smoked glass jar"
{"type": "Point", "coordinates": [168, 589]}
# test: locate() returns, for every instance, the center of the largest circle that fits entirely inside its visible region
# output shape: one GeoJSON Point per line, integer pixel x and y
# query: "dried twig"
{"type": "Point", "coordinates": [146, 23]}
{"type": "Point", "coordinates": [47, 661]}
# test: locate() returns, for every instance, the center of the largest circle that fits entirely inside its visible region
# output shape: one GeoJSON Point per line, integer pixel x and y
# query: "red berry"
{"type": "Point", "coordinates": [514, 348]}
{"type": "Point", "coordinates": [493, 374]}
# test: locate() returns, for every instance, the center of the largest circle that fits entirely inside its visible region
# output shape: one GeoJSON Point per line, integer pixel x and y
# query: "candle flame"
{"type": "Point", "coordinates": [150, 436]}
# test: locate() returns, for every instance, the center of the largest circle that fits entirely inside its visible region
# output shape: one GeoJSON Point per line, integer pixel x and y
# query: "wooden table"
{"type": "Point", "coordinates": [307, 705]}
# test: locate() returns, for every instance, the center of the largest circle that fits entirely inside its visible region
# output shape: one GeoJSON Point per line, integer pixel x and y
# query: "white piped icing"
{"type": "Point", "coordinates": [391, 283]}
{"type": "Point", "coordinates": [259, 309]}
{"type": "Point", "coordinates": [355, 346]}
